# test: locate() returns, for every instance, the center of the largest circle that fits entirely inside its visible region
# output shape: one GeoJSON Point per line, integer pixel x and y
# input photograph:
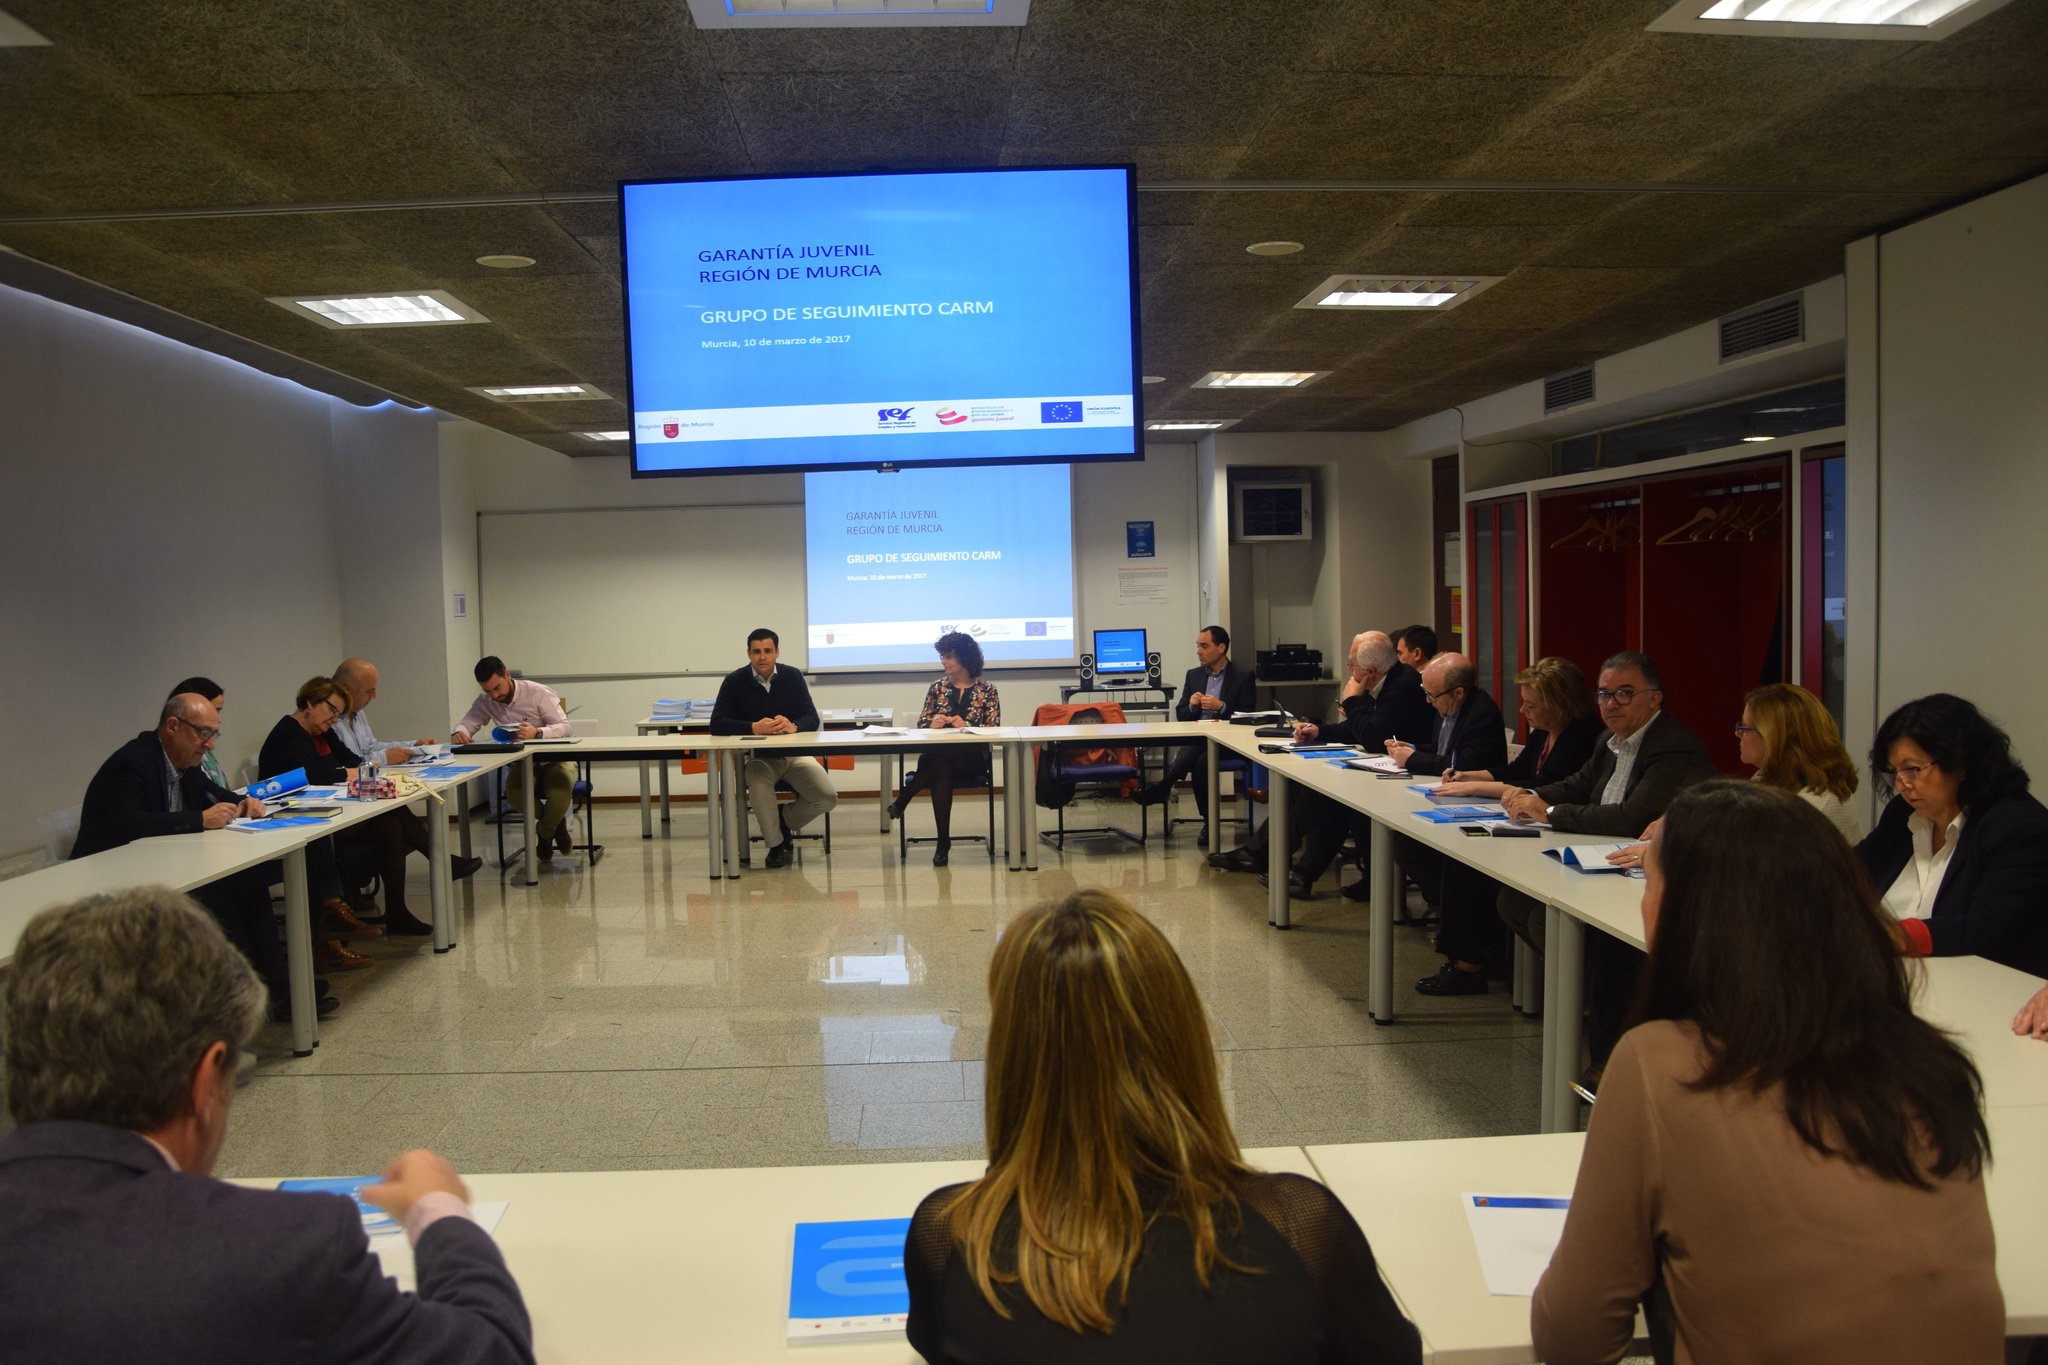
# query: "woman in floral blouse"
{"type": "Point", "coordinates": [955, 701]}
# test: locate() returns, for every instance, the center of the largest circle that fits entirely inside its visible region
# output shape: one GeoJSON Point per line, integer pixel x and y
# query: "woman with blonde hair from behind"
{"type": "Point", "coordinates": [1118, 1220]}
{"type": "Point", "coordinates": [1795, 746]}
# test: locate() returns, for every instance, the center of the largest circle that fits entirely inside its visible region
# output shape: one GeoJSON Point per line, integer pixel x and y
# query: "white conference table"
{"type": "Point", "coordinates": [726, 757]}
{"type": "Point", "coordinates": [1970, 995]}
{"type": "Point", "coordinates": [1407, 1196]}
{"type": "Point", "coordinates": [623, 1267]}
{"type": "Point", "coordinates": [184, 862]}
{"type": "Point", "coordinates": [832, 718]}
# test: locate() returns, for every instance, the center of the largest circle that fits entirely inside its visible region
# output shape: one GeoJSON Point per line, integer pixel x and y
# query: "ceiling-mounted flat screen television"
{"type": "Point", "coordinates": [882, 320]}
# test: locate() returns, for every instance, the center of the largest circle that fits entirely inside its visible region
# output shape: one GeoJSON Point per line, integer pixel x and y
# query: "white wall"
{"type": "Point", "coordinates": [169, 512]}
{"type": "Point", "coordinates": [1962, 456]}
{"type": "Point", "coordinates": [500, 473]}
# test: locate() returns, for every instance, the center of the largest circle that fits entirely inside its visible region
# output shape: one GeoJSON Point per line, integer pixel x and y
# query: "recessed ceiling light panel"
{"type": "Point", "coordinates": [605, 435]}
{"type": "Point", "coordinates": [1915, 21]}
{"type": "Point", "coordinates": [430, 308]}
{"type": "Point", "coordinates": [1191, 424]}
{"type": "Point", "coordinates": [859, 13]}
{"type": "Point", "coordinates": [1274, 248]}
{"type": "Point", "coordinates": [505, 262]}
{"type": "Point", "coordinates": [539, 393]}
{"type": "Point", "coordinates": [14, 33]}
{"type": "Point", "coordinates": [1258, 379]}
{"type": "Point", "coordinates": [1397, 291]}
{"type": "Point", "coordinates": [1155, 379]}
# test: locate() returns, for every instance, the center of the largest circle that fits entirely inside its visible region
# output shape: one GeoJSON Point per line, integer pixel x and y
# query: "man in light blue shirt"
{"type": "Point", "coordinates": [388, 839]}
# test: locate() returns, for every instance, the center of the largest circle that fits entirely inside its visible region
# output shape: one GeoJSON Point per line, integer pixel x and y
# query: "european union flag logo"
{"type": "Point", "coordinates": [1059, 412]}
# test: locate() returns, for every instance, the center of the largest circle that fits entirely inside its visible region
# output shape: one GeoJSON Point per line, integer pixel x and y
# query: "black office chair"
{"type": "Point", "coordinates": [784, 789]}
{"type": "Point", "coordinates": [986, 780]}
{"type": "Point", "coordinates": [1065, 773]}
{"type": "Point", "coordinates": [1227, 763]}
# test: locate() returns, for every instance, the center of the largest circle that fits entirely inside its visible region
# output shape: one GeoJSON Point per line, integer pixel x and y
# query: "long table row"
{"type": "Point", "coordinates": [680, 1266]}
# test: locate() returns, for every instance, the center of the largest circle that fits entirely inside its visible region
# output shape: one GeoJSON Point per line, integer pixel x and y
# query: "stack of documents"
{"type": "Point", "coordinates": [669, 709]}
{"type": "Point", "coordinates": [1461, 815]}
{"type": "Point", "coordinates": [846, 1281]}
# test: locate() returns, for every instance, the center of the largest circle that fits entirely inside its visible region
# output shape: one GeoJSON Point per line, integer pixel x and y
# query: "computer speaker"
{"type": "Point", "coordinates": [1152, 670]}
{"type": "Point", "coordinates": [1087, 670]}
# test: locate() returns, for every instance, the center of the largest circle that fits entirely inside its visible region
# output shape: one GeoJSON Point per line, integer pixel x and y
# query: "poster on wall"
{"type": "Point", "coordinates": [1138, 543]}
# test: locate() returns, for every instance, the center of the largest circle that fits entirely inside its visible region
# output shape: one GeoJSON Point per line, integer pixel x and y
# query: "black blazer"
{"type": "Point", "coordinates": [1672, 758]}
{"type": "Point", "coordinates": [288, 746]}
{"type": "Point", "coordinates": [1240, 691]}
{"type": "Point", "coordinates": [1399, 712]}
{"type": "Point", "coordinates": [112, 1256]}
{"type": "Point", "coordinates": [1574, 746]}
{"type": "Point", "coordinates": [129, 798]}
{"type": "Point", "coordinates": [741, 701]}
{"type": "Point", "coordinates": [1479, 738]}
{"type": "Point", "coordinates": [1993, 900]}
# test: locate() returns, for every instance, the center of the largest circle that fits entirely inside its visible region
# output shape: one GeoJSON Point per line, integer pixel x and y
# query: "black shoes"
{"type": "Point", "coordinates": [1360, 890]}
{"type": "Point", "coordinates": [406, 924]}
{"type": "Point", "coordinates": [1451, 979]}
{"type": "Point", "coordinates": [1154, 795]}
{"type": "Point", "coordinates": [782, 853]}
{"type": "Point", "coordinates": [1202, 837]}
{"type": "Point", "coordinates": [461, 868]}
{"type": "Point", "coordinates": [942, 852]}
{"type": "Point", "coordinates": [1237, 860]}
{"type": "Point", "coordinates": [281, 1007]}
{"type": "Point", "coordinates": [1297, 886]}
{"type": "Point", "coordinates": [564, 841]}
{"type": "Point", "coordinates": [896, 808]}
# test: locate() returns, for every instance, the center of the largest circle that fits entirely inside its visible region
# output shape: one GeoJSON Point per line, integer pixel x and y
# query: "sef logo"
{"type": "Point", "coordinates": [894, 414]}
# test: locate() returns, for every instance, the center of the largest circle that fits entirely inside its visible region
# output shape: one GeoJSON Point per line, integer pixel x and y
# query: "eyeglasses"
{"type": "Point", "coordinates": [1910, 774]}
{"type": "Point", "coordinates": [200, 730]}
{"type": "Point", "coordinates": [1742, 730]}
{"type": "Point", "coordinates": [333, 706]}
{"type": "Point", "coordinates": [1434, 697]}
{"type": "Point", "coordinates": [1620, 696]}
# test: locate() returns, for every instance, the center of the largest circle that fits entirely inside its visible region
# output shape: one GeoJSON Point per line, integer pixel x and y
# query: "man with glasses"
{"type": "Point", "coordinates": [1648, 759]}
{"type": "Point", "coordinates": [1214, 689]}
{"type": "Point", "coordinates": [154, 785]}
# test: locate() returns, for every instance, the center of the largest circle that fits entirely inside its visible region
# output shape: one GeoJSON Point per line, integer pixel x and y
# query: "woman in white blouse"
{"type": "Point", "coordinates": [1960, 859]}
{"type": "Point", "coordinates": [1795, 746]}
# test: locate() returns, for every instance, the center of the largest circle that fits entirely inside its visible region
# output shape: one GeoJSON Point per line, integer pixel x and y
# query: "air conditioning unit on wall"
{"type": "Point", "coordinates": [1273, 511]}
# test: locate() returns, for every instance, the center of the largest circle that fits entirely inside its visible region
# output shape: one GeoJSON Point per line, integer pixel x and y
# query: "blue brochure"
{"type": "Point", "coordinates": [846, 1281]}
{"type": "Point", "coordinates": [375, 1220]}
{"type": "Point", "coordinates": [271, 788]}
{"type": "Point", "coordinates": [1460, 815]}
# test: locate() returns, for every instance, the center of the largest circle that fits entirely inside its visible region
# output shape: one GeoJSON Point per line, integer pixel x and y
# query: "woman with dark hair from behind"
{"type": "Point", "coordinates": [955, 701]}
{"type": "Point", "coordinates": [1960, 860]}
{"type": "Point", "coordinates": [1779, 1137]}
{"type": "Point", "coordinates": [1118, 1221]}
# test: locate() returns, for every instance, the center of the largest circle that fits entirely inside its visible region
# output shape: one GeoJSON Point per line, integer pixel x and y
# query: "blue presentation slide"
{"type": "Point", "coordinates": [852, 321]}
{"type": "Point", "coordinates": [894, 561]}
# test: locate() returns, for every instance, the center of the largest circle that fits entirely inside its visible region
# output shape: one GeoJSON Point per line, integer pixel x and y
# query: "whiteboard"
{"type": "Point", "coordinates": [640, 590]}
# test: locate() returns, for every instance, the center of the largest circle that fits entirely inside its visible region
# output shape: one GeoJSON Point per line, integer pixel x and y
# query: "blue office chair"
{"type": "Point", "coordinates": [1072, 774]}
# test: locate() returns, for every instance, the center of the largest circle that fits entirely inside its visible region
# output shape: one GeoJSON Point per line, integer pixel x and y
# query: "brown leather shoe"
{"type": "Point", "coordinates": [338, 921]}
{"type": "Point", "coordinates": [339, 957]}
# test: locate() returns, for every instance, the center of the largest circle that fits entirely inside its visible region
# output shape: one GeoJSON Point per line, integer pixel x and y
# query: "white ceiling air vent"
{"type": "Point", "coordinates": [1777, 323]}
{"type": "Point", "coordinates": [1396, 291]}
{"type": "Point", "coordinates": [1569, 389]}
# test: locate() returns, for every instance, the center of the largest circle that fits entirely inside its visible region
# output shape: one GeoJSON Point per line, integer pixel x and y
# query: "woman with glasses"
{"type": "Point", "coordinates": [301, 740]}
{"type": "Point", "coordinates": [956, 700]}
{"type": "Point", "coordinates": [1795, 746]}
{"type": "Point", "coordinates": [1118, 1220]}
{"type": "Point", "coordinates": [1785, 1163]}
{"type": "Point", "coordinates": [1960, 859]}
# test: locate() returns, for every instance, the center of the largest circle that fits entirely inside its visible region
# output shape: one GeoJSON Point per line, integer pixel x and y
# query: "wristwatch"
{"type": "Point", "coordinates": [1547, 811]}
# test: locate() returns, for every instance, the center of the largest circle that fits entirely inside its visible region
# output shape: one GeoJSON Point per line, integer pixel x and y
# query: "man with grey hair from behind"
{"type": "Point", "coordinates": [124, 1017]}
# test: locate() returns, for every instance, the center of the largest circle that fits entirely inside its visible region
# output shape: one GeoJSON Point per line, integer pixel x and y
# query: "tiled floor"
{"type": "Point", "coordinates": [636, 1014]}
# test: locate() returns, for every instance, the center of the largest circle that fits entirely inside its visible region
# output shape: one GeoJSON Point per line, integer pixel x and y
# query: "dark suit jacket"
{"type": "Point", "coordinates": [1672, 758]}
{"type": "Point", "coordinates": [129, 798]}
{"type": "Point", "coordinates": [1240, 692]}
{"type": "Point", "coordinates": [1531, 769]}
{"type": "Point", "coordinates": [1399, 712]}
{"type": "Point", "coordinates": [1479, 738]}
{"type": "Point", "coordinates": [288, 746]}
{"type": "Point", "coordinates": [111, 1256]}
{"type": "Point", "coordinates": [741, 701]}
{"type": "Point", "coordinates": [1993, 900]}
